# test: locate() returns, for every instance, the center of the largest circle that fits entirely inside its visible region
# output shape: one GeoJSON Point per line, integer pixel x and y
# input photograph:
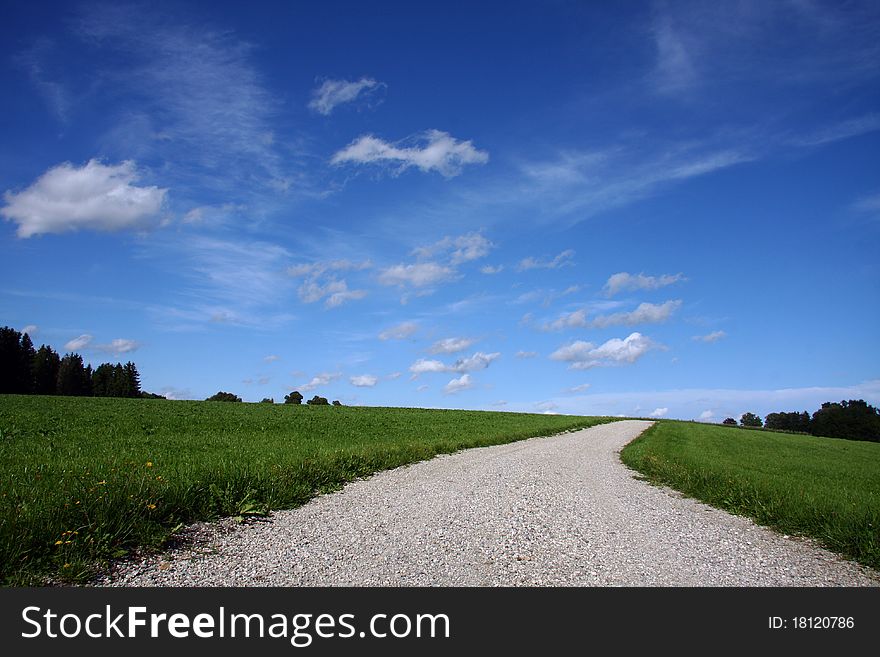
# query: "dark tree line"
{"type": "Point", "coordinates": [28, 371]}
{"type": "Point", "coordinates": [854, 419]}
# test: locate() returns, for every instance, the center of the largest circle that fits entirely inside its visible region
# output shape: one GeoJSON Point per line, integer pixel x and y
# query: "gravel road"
{"type": "Point", "coordinates": [559, 511]}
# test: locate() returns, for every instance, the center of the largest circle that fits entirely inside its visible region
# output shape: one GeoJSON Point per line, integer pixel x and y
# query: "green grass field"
{"type": "Point", "coordinates": [825, 488]}
{"type": "Point", "coordinates": [87, 479]}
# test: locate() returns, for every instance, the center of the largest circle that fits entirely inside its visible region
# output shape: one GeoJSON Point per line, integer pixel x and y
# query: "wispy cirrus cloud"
{"type": "Point", "coordinates": [332, 93]}
{"type": "Point", "coordinates": [714, 336]}
{"type": "Point", "coordinates": [420, 274]}
{"type": "Point", "coordinates": [432, 150]}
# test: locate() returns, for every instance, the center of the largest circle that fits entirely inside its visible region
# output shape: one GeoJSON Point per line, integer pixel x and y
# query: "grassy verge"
{"type": "Point", "coordinates": [83, 480]}
{"type": "Point", "coordinates": [825, 488]}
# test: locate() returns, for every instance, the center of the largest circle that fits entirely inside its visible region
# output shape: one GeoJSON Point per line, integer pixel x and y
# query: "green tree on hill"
{"type": "Point", "coordinates": [729, 420]}
{"type": "Point", "coordinates": [72, 378]}
{"type": "Point", "coordinates": [45, 371]}
{"type": "Point", "coordinates": [224, 397]}
{"type": "Point", "coordinates": [751, 420]}
{"type": "Point", "coordinates": [854, 419]}
{"type": "Point", "coordinates": [318, 401]}
{"type": "Point", "coordinates": [293, 398]}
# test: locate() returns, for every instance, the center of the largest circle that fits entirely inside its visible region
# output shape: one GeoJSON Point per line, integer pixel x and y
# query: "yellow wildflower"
{"type": "Point", "coordinates": [149, 464]}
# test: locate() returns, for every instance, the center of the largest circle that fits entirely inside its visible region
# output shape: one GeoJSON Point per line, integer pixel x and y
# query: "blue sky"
{"type": "Point", "coordinates": [667, 209]}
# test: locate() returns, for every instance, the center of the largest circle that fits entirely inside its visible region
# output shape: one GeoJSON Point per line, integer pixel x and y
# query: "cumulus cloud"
{"type": "Point", "coordinates": [463, 248]}
{"type": "Point", "coordinates": [645, 313]}
{"type": "Point", "coordinates": [400, 331]}
{"type": "Point", "coordinates": [659, 412]}
{"type": "Point", "coordinates": [319, 380]}
{"type": "Point", "coordinates": [457, 385]}
{"type": "Point", "coordinates": [78, 343]}
{"type": "Point", "coordinates": [526, 354]}
{"type": "Point", "coordinates": [623, 281]}
{"type": "Point", "coordinates": [425, 366]}
{"type": "Point", "coordinates": [451, 345]}
{"type": "Point", "coordinates": [707, 416]}
{"type": "Point", "coordinates": [92, 197]}
{"type": "Point", "coordinates": [562, 259]}
{"type": "Point", "coordinates": [479, 361]}
{"type": "Point", "coordinates": [432, 150]}
{"type": "Point", "coordinates": [318, 283]}
{"type": "Point", "coordinates": [333, 93]}
{"type": "Point", "coordinates": [714, 336]}
{"type": "Point", "coordinates": [420, 274]}
{"type": "Point", "coordinates": [271, 358]}
{"type": "Point", "coordinates": [119, 346]}
{"type": "Point", "coordinates": [30, 329]}
{"type": "Point", "coordinates": [364, 380]}
{"type": "Point", "coordinates": [581, 388]}
{"type": "Point", "coordinates": [585, 355]}
{"type": "Point", "coordinates": [576, 319]}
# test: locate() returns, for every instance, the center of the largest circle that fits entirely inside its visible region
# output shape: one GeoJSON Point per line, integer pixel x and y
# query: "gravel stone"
{"type": "Point", "coordinates": [557, 511]}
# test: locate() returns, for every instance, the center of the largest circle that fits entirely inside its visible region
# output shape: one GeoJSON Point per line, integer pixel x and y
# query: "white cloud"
{"type": "Point", "coordinates": [119, 346]}
{"type": "Point", "coordinates": [457, 385]}
{"type": "Point", "coordinates": [868, 204]}
{"type": "Point", "coordinates": [451, 345]}
{"type": "Point", "coordinates": [645, 313]}
{"type": "Point", "coordinates": [318, 268]}
{"type": "Point", "coordinates": [463, 248]}
{"type": "Point", "coordinates": [499, 403]}
{"type": "Point", "coordinates": [342, 295]}
{"type": "Point", "coordinates": [400, 331]}
{"type": "Point", "coordinates": [714, 336]}
{"type": "Point", "coordinates": [675, 67]}
{"type": "Point", "coordinates": [479, 361]}
{"type": "Point", "coordinates": [625, 281]}
{"type": "Point", "coordinates": [433, 150]}
{"type": "Point", "coordinates": [78, 343]}
{"type": "Point", "coordinates": [581, 388]}
{"type": "Point", "coordinates": [585, 355]}
{"type": "Point", "coordinates": [394, 375]}
{"type": "Point", "coordinates": [424, 366]}
{"type": "Point", "coordinates": [659, 412]}
{"type": "Point", "coordinates": [843, 130]}
{"type": "Point", "coordinates": [547, 407]}
{"type": "Point", "coordinates": [526, 354]}
{"type": "Point", "coordinates": [31, 329]}
{"type": "Point", "coordinates": [271, 358]}
{"type": "Point", "coordinates": [707, 416]}
{"type": "Point", "coordinates": [492, 269]}
{"type": "Point", "coordinates": [422, 388]}
{"type": "Point", "coordinates": [333, 93]}
{"type": "Point", "coordinates": [364, 380]}
{"type": "Point", "coordinates": [92, 197]}
{"type": "Point", "coordinates": [417, 275]}
{"type": "Point", "coordinates": [320, 380]}
{"type": "Point", "coordinates": [576, 319]}
{"type": "Point", "coordinates": [562, 259]}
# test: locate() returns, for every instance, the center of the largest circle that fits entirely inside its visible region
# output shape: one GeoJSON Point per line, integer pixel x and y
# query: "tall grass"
{"type": "Point", "coordinates": [825, 488]}
{"type": "Point", "coordinates": [83, 480]}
